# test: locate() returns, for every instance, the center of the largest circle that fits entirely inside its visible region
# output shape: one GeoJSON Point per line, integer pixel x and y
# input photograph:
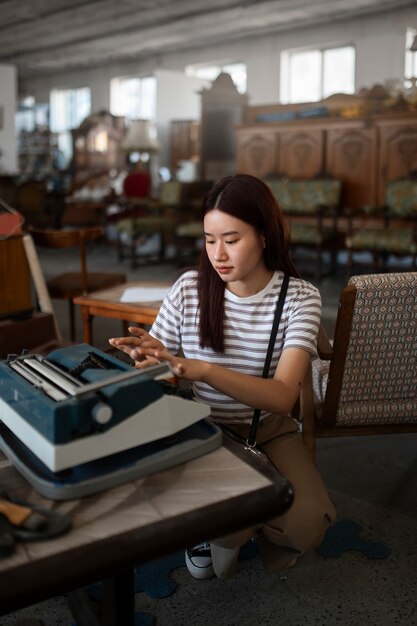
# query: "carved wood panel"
{"type": "Point", "coordinates": [351, 155]}
{"type": "Point", "coordinates": [398, 152]}
{"type": "Point", "coordinates": [302, 153]}
{"type": "Point", "coordinates": [257, 153]}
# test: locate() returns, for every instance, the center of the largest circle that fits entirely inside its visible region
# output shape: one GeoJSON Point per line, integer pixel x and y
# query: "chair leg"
{"type": "Point", "coordinates": [319, 268]}
{"type": "Point", "coordinates": [350, 262]}
{"type": "Point", "coordinates": [120, 253]}
{"type": "Point", "coordinates": [162, 245]}
{"type": "Point", "coordinates": [133, 254]}
{"type": "Point", "coordinates": [71, 320]}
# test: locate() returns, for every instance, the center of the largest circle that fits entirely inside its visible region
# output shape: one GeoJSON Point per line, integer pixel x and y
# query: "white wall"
{"type": "Point", "coordinates": [8, 147]}
{"type": "Point", "coordinates": [178, 98]}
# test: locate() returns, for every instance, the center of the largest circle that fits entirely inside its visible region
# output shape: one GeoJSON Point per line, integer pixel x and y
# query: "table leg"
{"type": "Point", "coordinates": [118, 604]}
{"type": "Point", "coordinates": [87, 325]}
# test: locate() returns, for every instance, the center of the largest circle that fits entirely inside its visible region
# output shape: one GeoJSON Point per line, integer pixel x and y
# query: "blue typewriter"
{"type": "Point", "coordinates": [79, 421]}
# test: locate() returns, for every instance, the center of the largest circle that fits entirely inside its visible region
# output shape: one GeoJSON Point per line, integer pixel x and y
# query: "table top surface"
{"type": "Point", "coordinates": [144, 519]}
{"type": "Point", "coordinates": [112, 297]}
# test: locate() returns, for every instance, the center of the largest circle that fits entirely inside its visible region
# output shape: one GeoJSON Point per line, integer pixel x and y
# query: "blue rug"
{"type": "Point", "coordinates": [344, 536]}
{"type": "Point", "coordinates": [154, 578]}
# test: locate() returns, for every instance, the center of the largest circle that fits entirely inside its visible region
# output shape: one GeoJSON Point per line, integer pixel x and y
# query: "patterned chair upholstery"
{"type": "Point", "coordinates": [398, 234]}
{"type": "Point", "coordinates": [311, 207]}
{"type": "Point", "coordinates": [189, 235]}
{"type": "Point", "coordinates": [368, 385]}
{"type": "Point", "coordinates": [147, 236]}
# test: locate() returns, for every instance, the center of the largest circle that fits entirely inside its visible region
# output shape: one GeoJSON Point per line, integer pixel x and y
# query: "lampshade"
{"type": "Point", "coordinates": [140, 137]}
{"type": "Point", "coordinates": [413, 46]}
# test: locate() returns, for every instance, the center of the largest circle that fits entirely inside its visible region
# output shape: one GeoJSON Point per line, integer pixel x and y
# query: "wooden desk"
{"type": "Point", "coordinates": [113, 531]}
{"type": "Point", "coordinates": [107, 303]}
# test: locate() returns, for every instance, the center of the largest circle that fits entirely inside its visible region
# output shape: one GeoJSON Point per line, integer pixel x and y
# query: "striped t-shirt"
{"type": "Point", "coordinates": [247, 328]}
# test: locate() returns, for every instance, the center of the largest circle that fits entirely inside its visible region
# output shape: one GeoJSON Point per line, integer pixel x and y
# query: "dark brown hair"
{"type": "Point", "coordinates": [250, 200]}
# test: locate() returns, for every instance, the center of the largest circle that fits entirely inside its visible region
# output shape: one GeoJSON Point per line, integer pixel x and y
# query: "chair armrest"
{"type": "Point", "coordinates": [324, 347]}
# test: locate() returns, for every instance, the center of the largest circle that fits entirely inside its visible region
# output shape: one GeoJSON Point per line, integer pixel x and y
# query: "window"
{"type": "Point", "coordinates": [30, 115]}
{"type": "Point", "coordinates": [133, 98]}
{"type": "Point", "coordinates": [410, 59]}
{"type": "Point", "coordinates": [68, 108]}
{"type": "Point", "coordinates": [236, 70]}
{"type": "Point", "coordinates": [311, 75]}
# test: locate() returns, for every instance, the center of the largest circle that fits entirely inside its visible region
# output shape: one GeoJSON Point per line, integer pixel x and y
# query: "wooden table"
{"type": "Point", "coordinates": [113, 531]}
{"type": "Point", "coordinates": [107, 303]}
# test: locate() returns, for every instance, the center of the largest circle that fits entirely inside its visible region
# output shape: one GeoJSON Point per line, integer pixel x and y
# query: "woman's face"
{"type": "Point", "coordinates": [235, 250]}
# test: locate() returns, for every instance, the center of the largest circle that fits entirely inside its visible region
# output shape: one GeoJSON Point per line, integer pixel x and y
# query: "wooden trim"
{"type": "Point", "coordinates": [340, 346]}
{"type": "Point", "coordinates": [41, 289]}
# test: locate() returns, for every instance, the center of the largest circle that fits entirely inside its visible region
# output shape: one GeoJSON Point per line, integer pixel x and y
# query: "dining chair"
{"type": "Point", "coordinates": [386, 231]}
{"type": "Point", "coordinates": [366, 380]}
{"type": "Point", "coordinates": [312, 210]}
{"type": "Point", "coordinates": [68, 285]}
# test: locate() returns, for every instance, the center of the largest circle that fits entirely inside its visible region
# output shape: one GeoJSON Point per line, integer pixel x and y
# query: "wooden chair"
{"type": "Point", "coordinates": [189, 236]}
{"type": "Point", "coordinates": [312, 208]}
{"type": "Point", "coordinates": [157, 221]}
{"type": "Point", "coordinates": [369, 386]}
{"type": "Point", "coordinates": [70, 284]}
{"type": "Point", "coordinates": [32, 203]}
{"type": "Point", "coordinates": [388, 230]}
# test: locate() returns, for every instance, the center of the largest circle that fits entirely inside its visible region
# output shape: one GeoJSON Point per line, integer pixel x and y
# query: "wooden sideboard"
{"type": "Point", "coordinates": [15, 280]}
{"type": "Point", "coordinates": [365, 153]}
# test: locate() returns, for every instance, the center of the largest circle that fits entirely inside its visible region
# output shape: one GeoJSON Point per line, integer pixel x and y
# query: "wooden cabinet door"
{"type": "Point", "coordinates": [184, 138]}
{"type": "Point", "coordinates": [302, 153]}
{"type": "Point", "coordinates": [351, 156]}
{"type": "Point", "coordinates": [398, 151]}
{"type": "Point", "coordinates": [257, 152]}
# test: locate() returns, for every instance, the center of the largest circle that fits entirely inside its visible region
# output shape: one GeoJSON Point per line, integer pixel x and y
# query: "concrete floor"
{"type": "Point", "coordinates": [372, 480]}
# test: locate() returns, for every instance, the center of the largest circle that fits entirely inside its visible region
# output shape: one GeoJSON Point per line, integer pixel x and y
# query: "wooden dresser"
{"type": "Point", "coordinates": [363, 152]}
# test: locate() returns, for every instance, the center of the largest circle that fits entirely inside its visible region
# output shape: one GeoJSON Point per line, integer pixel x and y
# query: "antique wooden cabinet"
{"type": "Point", "coordinates": [184, 142]}
{"type": "Point", "coordinates": [364, 152]}
{"type": "Point", "coordinates": [97, 145]}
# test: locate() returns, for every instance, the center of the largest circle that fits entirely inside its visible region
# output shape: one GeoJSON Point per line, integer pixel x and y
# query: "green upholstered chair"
{"type": "Point", "coordinates": [312, 208]}
{"type": "Point", "coordinates": [136, 236]}
{"type": "Point", "coordinates": [394, 235]}
{"type": "Point", "coordinates": [189, 228]}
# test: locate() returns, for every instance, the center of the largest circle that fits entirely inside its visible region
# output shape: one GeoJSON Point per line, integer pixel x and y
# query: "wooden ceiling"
{"type": "Point", "coordinates": [45, 36]}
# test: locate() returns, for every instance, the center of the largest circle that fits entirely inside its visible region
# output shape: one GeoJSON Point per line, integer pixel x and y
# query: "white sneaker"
{"type": "Point", "coordinates": [199, 562]}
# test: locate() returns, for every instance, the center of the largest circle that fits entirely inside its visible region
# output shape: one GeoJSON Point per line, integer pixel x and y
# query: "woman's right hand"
{"type": "Point", "coordinates": [132, 345]}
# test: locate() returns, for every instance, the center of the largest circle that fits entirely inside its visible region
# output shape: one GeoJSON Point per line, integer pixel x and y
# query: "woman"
{"type": "Point", "coordinates": [221, 316]}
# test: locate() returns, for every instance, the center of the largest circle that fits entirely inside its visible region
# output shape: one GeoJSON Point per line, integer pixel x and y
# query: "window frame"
{"type": "Point", "coordinates": [285, 71]}
{"type": "Point", "coordinates": [140, 112]}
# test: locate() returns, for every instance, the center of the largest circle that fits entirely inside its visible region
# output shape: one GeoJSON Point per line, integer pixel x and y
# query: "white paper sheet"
{"type": "Point", "coordinates": [144, 294]}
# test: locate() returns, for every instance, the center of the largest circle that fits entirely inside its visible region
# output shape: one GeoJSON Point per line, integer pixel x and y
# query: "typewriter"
{"type": "Point", "coordinates": [79, 420]}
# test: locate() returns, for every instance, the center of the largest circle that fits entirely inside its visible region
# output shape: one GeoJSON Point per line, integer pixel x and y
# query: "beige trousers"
{"type": "Point", "coordinates": [284, 539]}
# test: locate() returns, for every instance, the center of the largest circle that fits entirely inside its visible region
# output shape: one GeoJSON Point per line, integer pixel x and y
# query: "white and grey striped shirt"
{"type": "Point", "coordinates": [247, 328]}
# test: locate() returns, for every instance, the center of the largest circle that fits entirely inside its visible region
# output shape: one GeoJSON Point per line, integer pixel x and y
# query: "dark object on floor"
{"type": "Point", "coordinates": [42, 524]}
{"type": "Point", "coordinates": [343, 536]}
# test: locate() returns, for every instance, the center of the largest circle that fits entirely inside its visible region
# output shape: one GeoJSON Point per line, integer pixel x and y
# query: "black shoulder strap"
{"type": "Point", "coordinates": [251, 440]}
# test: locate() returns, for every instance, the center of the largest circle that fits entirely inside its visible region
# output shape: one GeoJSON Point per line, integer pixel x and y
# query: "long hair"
{"type": "Point", "coordinates": [250, 200]}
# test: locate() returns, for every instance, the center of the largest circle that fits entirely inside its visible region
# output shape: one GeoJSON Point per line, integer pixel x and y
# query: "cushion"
{"type": "Point", "coordinates": [396, 241]}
